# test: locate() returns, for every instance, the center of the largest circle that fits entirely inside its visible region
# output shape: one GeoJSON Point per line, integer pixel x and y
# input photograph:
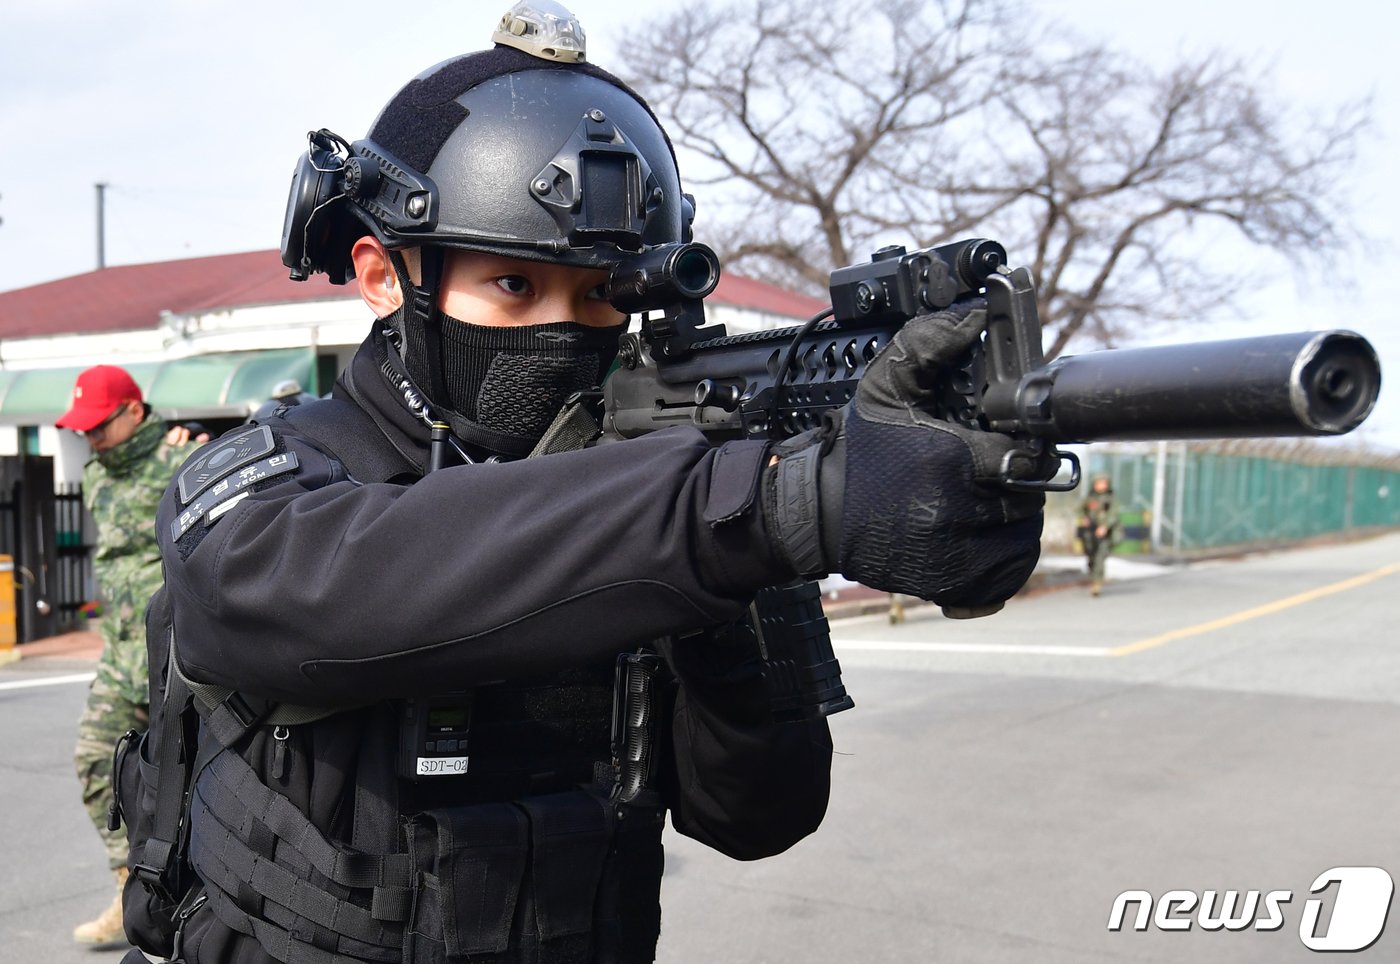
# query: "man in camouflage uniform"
{"type": "Point", "coordinates": [1098, 529]}
{"type": "Point", "coordinates": [122, 485]}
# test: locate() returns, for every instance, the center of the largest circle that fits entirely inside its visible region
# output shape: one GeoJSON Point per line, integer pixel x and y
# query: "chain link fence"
{"type": "Point", "coordinates": [1190, 497]}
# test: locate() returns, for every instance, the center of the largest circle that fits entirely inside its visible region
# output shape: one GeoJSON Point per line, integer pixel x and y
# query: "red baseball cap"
{"type": "Point", "coordinates": [97, 393]}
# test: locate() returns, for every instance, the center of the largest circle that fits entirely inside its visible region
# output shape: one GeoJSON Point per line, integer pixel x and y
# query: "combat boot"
{"type": "Point", "coordinates": [107, 928]}
{"type": "Point", "coordinates": [896, 610]}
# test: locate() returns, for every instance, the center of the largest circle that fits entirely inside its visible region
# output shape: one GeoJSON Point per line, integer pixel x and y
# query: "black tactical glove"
{"type": "Point", "coordinates": [897, 499]}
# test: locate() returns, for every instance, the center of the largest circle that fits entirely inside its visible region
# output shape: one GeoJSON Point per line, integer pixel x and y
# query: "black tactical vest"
{"type": "Point", "coordinates": [528, 856]}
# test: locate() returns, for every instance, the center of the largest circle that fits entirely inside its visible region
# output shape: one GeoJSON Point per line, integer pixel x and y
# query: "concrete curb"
{"type": "Point", "coordinates": [860, 601]}
{"type": "Point", "coordinates": [78, 647]}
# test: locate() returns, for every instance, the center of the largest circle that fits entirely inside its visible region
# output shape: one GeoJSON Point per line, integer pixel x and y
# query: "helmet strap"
{"type": "Point", "coordinates": [423, 321]}
{"type": "Point", "coordinates": [418, 369]}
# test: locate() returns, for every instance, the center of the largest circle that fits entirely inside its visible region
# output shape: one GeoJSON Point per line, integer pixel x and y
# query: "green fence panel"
{"type": "Point", "coordinates": [1217, 499]}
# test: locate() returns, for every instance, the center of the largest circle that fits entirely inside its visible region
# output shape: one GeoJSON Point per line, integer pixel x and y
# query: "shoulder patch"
{"type": "Point", "coordinates": [226, 491]}
{"type": "Point", "coordinates": [222, 458]}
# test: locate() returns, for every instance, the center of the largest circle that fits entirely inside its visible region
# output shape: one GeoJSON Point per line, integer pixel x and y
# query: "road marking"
{"type": "Point", "coordinates": [1008, 649]}
{"type": "Point", "coordinates": [22, 684]}
{"type": "Point", "coordinates": [1248, 614]}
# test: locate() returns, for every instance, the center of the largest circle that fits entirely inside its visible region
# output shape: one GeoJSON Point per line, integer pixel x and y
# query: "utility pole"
{"type": "Point", "coordinates": [101, 232]}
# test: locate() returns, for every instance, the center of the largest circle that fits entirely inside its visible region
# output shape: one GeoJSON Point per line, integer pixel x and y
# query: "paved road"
{"type": "Point", "coordinates": [1220, 726]}
{"type": "Point", "coordinates": [1001, 781]}
{"type": "Point", "coordinates": [54, 868]}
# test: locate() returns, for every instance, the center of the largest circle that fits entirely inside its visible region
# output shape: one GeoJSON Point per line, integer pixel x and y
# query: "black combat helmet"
{"type": "Point", "coordinates": [502, 151]}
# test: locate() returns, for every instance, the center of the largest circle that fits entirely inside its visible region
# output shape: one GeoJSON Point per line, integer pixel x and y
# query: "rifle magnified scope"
{"type": "Point", "coordinates": [663, 276]}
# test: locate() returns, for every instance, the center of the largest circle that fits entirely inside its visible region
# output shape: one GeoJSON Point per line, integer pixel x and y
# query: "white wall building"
{"type": "Point", "coordinates": [207, 338]}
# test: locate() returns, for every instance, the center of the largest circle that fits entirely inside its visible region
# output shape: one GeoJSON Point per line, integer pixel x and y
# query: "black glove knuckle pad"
{"type": "Point", "coordinates": [907, 500]}
{"type": "Point", "coordinates": [916, 520]}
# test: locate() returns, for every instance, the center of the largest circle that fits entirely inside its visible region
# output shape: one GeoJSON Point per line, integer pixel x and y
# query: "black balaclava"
{"type": "Point", "coordinates": [502, 386]}
{"type": "Point", "coordinates": [514, 380]}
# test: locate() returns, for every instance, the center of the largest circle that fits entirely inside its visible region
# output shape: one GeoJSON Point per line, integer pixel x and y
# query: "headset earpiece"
{"type": "Point", "coordinates": [318, 182]}
{"type": "Point", "coordinates": [342, 191]}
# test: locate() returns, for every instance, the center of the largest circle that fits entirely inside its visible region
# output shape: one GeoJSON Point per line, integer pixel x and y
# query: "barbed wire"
{"type": "Point", "coordinates": [1302, 451]}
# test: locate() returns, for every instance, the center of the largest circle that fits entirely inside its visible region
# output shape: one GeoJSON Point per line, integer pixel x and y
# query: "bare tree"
{"type": "Point", "coordinates": [816, 131]}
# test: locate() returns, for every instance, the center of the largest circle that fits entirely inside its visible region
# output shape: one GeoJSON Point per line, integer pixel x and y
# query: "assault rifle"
{"type": "Point", "coordinates": [676, 370]}
{"type": "Point", "coordinates": [775, 384]}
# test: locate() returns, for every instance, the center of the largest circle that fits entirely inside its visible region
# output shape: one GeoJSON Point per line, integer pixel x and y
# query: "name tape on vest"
{"type": "Point", "coordinates": [210, 506]}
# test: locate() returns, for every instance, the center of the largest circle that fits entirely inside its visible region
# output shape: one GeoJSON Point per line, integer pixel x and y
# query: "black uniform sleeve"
{"type": "Point", "coordinates": [743, 784]}
{"type": "Point", "coordinates": [323, 592]}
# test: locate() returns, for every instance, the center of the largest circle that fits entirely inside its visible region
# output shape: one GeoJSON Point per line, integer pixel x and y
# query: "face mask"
{"type": "Point", "coordinates": [120, 459]}
{"type": "Point", "coordinates": [514, 380]}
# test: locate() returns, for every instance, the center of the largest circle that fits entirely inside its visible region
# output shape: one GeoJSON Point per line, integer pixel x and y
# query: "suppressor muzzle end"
{"type": "Point", "coordinates": [1336, 383]}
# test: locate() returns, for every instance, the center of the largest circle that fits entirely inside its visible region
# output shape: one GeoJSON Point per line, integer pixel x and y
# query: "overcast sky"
{"type": "Point", "coordinates": [194, 114]}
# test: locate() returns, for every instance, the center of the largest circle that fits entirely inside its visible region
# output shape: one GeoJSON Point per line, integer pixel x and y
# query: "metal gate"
{"type": "Point", "coordinates": [43, 531]}
{"type": "Point", "coordinates": [73, 583]}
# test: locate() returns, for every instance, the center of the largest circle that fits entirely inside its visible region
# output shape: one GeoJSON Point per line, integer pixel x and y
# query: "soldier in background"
{"type": "Point", "coordinates": [133, 460]}
{"type": "Point", "coordinates": [1098, 529]}
{"type": "Point", "coordinates": [285, 393]}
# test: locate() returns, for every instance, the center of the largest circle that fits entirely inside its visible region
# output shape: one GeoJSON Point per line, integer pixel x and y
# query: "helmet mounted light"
{"type": "Point", "coordinates": [544, 29]}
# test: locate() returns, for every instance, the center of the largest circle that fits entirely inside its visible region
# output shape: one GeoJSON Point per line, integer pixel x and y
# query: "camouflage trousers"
{"type": "Point", "coordinates": [1097, 555]}
{"type": "Point", "coordinates": [116, 703]}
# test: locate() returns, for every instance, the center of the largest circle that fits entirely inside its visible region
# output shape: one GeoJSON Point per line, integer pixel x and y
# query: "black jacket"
{"type": "Point", "coordinates": [325, 590]}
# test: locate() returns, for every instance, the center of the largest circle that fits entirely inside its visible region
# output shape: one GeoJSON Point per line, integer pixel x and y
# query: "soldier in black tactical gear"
{"type": "Point", "coordinates": [460, 686]}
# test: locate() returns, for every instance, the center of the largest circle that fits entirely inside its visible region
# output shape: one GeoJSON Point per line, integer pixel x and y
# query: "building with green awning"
{"type": "Point", "coordinates": [209, 338]}
{"type": "Point", "coordinates": [220, 385]}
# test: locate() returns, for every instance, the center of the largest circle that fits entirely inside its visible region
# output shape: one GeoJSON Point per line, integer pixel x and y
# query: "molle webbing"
{"type": "Point", "coordinates": [503, 882]}
{"type": "Point", "coordinates": [272, 875]}
{"type": "Point", "coordinates": [492, 878]}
